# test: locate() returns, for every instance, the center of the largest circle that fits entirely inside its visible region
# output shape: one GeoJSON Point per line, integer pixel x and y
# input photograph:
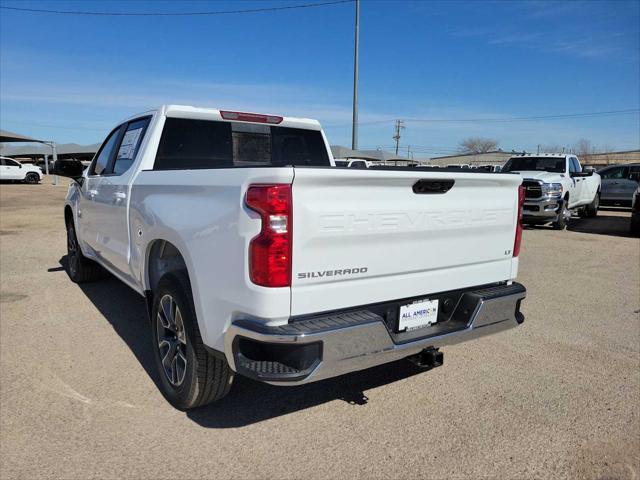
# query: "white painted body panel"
{"type": "Point", "coordinates": [410, 244]}
{"type": "Point", "coordinates": [202, 213]}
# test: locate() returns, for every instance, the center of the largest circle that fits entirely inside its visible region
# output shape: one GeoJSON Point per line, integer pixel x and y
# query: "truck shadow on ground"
{"type": "Point", "coordinates": [249, 401]}
{"type": "Point", "coordinates": [603, 224]}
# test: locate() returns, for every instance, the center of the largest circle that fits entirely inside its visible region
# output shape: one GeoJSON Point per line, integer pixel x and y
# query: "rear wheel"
{"type": "Point", "coordinates": [79, 268]}
{"type": "Point", "coordinates": [563, 216]}
{"type": "Point", "coordinates": [32, 178]}
{"type": "Point", "coordinates": [591, 210]}
{"type": "Point", "coordinates": [189, 375]}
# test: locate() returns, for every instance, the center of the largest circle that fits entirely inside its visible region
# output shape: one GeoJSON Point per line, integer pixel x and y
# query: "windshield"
{"type": "Point", "coordinates": [542, 164]}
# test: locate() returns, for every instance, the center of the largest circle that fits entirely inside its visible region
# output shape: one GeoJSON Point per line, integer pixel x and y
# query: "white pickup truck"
{"type": "Point", "coordinates": [258, 257]}
{"type": "Point", "coordinates": [555, 185]}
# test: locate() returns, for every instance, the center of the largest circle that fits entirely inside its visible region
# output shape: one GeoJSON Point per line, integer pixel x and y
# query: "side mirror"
{"type": "Point", "coordinates": [19, 165]}
{"type": "Point", "coordinates": [68, 168]}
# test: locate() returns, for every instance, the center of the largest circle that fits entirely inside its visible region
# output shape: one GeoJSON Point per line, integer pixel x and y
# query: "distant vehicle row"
{"type": "Point", "coordinates": [361, 163]}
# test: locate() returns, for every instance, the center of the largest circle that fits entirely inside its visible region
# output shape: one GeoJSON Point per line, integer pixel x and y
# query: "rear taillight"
{"type": "Point", "coordinates": [518, 240]}
{"type": "Point", "coordinates": [270, 250]}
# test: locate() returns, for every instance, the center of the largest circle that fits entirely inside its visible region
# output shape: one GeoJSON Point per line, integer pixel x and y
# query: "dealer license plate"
{"type": "Point", "coordinates": [422, 313]}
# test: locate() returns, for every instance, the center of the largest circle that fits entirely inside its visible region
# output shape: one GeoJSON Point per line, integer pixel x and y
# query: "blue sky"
{"type": "Point", "coordinates": [70, 78]}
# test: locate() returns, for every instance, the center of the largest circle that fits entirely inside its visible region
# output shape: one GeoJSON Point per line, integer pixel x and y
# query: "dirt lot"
{"type": "Point", "coordinates": [557, 397]}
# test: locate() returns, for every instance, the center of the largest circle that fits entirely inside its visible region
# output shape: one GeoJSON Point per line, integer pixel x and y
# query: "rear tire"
{"type": "Point", "coordinates": [591, 210]}
{"type": "Point", "coordinates": [32, 178]}
{"type": "Point", "coordinates": [79, 268]}
{"type": "Point", "coordinates": [189, 375]}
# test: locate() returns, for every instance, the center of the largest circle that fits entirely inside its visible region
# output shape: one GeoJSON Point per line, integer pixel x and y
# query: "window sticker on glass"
{"type": "Point", "coordinates": [129, 143]}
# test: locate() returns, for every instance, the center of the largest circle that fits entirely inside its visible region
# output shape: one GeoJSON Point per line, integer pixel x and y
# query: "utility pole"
{"type": "Point", "coordinates": [55, 160]}
{"type": "Point", "coordinates": [396, 137]}
{"type": "Point", "coordinates": [354, 128]}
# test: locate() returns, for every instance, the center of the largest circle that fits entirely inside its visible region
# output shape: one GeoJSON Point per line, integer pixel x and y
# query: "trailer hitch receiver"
{"type": "Point", "coordinates": [428, 358]}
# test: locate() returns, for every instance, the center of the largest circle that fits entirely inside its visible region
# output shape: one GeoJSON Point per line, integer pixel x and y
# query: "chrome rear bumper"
{"type": "Point", "coordinates": [340, 343]}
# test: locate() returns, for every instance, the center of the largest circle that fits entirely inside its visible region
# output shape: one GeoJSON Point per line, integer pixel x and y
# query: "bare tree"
{"type": "Point", "coordinates": [478, 145]}
{"type": "Point", "coordinates": [583, 148]}
{"type": "Point", "coordinates": [606, 148]}
{"type": "Point", "coordinates": [552, 148]}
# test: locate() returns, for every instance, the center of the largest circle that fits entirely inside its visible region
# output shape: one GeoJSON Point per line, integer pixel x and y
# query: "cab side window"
{"type": "Point", "coordinates": [131, 141]}
{"type": "Point", "coordinates": [614, 173]}
{"type": "Point", "coordinates": [576, 164]}
{"type": "Point", "coordinates": [104, 155]}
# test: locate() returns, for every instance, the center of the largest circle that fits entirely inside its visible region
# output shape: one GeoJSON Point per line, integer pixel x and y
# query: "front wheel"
{"type": "Point", "coordinates": [189, 375]}
{"type": "Point", "coordinates": [79, 268]}
{"type": "Point", "coordinates": [563, 216]}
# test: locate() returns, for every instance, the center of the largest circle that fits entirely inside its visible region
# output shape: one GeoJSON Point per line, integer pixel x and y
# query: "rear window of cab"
{"type": "Point", "coordinates": [203, 144]}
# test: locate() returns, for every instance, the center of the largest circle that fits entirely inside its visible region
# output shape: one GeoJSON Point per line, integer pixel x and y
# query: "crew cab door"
{"type": "Point", "coordinates": [111, 200]}
{"type": "Point", "coordinates": [576, 192]}
{"type": "Point", "coordinates": [88, 219]}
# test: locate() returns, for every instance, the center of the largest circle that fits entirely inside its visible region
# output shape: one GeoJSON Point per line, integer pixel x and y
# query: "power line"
{"type": "Point", "coordinates": [503, 119]}
{"type": "Point", "coordinates": [175, 14]}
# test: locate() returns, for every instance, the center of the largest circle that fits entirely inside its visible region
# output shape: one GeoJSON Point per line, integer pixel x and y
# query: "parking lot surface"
{"type": "Point", "coordinates": [556, 397]}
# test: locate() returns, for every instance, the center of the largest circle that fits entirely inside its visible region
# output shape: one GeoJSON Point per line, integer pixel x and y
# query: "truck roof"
{"type": "Point", "coordinates": [201, 113]}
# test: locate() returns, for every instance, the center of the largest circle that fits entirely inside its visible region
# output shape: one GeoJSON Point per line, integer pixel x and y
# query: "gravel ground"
{"type": "Point", "coordinates": [557, 397]}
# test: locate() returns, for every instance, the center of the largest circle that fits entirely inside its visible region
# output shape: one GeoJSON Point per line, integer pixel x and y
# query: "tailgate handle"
{"type": "Point", "coordinates": [432, 186]}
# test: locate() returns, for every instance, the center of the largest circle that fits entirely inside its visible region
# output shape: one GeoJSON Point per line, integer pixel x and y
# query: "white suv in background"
{"type": "Point", "coordinates": [11, 169]}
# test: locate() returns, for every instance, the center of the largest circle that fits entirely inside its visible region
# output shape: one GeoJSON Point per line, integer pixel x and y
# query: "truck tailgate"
{"type": "Point", "coordinates": [365, 236]}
